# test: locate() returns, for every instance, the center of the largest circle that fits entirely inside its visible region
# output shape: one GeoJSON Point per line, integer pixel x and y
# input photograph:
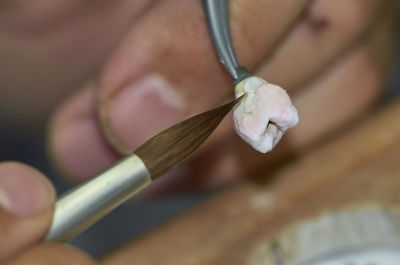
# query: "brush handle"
{"type": "Point", "coordinates": [84, 205]}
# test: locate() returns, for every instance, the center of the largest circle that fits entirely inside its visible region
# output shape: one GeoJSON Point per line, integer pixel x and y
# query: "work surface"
{"type": "Point", "coordinates": [361, 166]}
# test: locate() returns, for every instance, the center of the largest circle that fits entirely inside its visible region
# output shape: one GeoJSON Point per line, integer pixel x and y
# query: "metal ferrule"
{"type": "Point", "coordinates": [84, 205]}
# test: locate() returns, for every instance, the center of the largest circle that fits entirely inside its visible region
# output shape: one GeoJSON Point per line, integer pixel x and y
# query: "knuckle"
{"type": "Point", "coordinates": [347, 17]}
{"type": "Point", "coordinates": [257, 26]}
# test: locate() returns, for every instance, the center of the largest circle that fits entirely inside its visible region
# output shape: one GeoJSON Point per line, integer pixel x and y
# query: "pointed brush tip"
{"type": "Point", "coordinates": [174, 145]}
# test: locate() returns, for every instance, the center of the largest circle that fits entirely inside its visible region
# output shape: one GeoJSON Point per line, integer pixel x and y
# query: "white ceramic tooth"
{"type": "Point", "coordinates": [264, 104]}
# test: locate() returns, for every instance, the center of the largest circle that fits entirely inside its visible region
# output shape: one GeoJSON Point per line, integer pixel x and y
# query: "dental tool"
{"type": "Point", "coordinates": [266, 112]}
{"type": "Point", "coordinates": [218, 22]}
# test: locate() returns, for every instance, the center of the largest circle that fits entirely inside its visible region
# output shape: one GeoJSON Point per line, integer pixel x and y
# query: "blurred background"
{"type": "Point", "coordinates": [23, 138]}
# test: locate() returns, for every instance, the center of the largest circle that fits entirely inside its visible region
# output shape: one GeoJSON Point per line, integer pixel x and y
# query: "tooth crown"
{"type": "Point", "coordinates": [264, 115]}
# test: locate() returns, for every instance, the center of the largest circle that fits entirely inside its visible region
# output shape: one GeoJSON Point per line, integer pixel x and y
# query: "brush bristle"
{"type": "Point", "coordinates": [172, 146]}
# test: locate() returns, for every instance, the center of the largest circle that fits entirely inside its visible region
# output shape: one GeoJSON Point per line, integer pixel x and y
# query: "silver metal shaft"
{"type": "Point", "coordinates": [218, 22]}
{"type": "Point", "coordinates": [84, 205]}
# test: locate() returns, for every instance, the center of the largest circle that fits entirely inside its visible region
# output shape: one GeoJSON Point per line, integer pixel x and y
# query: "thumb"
{"type": "Point", "coordinates": [26, 207]}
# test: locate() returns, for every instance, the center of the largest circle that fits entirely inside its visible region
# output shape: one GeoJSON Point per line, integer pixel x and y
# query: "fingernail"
{"type": "Point", "coordinates": [23, 190]}
{"type": "Point", "coordinates": [142, 110]}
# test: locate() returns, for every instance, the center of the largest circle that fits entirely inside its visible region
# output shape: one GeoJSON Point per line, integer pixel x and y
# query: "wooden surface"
{"type": "Point", "coordinates": [360, 166]}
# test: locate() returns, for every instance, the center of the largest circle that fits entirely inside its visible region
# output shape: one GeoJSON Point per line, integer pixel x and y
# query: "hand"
{"type": "Point", "coordinates": [158, 66]}
{"type": "Point", "coordinates": [26, 208]}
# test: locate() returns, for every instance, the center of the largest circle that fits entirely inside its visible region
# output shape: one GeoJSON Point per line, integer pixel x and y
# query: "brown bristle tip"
{"type": "Point", "coordinates": [174, 145]}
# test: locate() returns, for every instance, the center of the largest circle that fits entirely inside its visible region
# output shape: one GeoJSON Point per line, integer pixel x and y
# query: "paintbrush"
{"type": "Point", "coordinates": [82, 206]}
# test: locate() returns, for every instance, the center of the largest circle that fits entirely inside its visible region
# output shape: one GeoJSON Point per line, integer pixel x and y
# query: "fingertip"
{"type": "Point", "coordinates": [26, 207]}
{"type": "Point", "coordinates": [79, 150]}
{"type": "Point", "coordinates": [24, 191]}
{"type": "Point", "coordinates": [75, 143]}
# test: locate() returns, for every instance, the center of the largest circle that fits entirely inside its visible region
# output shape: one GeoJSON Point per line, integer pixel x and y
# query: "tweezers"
{"type": "Point", "coordinates": [218, 22]}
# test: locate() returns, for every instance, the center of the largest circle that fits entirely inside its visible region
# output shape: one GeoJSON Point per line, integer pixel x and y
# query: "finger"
{"type": "Point", "coordinates": [53, 254]}
{"type": "Point", "coordinates": [318, 106]}
{"type": "Point", "coordinates": [140, 95]}
{"type": "Point", "coordinates": [163, 104]}
{"type": "Point", "coordinates": [148, 85]}
{"type": "Point", "coordinates": [128, 85]}
{"type": "Point", "coordinates": [55, 45]}
{"type": "Point", "coordinates": [326, 29]}
{"type": "Point", "coordinates": [317, 102]}
{"type": "Point", "coordinates": [76, 143]}
{"type": "Point", "coordinates": [320, 116]}
{"type": "Point", "coordinates": [356, 82]}
{"type": "Point", "coordinates": [336, 98]}
{"type": "Point", "coordinates": [26, 207]}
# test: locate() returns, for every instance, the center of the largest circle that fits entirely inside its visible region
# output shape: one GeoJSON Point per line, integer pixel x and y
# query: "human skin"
{"type": "Point", "coordinates": [26, 208]}
{"type": "Point", "coordinates": [316, 50]}
{"type": "Point", "coordinates": [133, 55]}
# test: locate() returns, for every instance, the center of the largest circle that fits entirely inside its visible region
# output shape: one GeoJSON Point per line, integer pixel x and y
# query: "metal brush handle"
{"type": "Point", "coordinates": [218, 23]}
{"type": "Point", "coordinates": [84, 205]}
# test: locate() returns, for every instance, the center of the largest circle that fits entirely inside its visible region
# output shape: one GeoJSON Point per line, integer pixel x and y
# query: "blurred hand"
{"type": "Point", "coordinates": [158, 67]}
{"type": "Point", "coordinates": [26, 208]}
